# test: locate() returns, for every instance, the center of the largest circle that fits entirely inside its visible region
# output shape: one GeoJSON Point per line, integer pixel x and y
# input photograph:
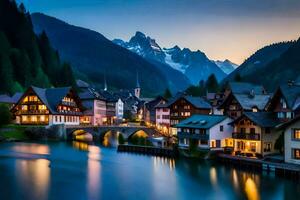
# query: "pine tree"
{"type": "Point", "coordinates": [212, 84]}
{"type": "Point", "coordinates": [6, 75]}
{"type": "Point", "coordinates": [167, 94]}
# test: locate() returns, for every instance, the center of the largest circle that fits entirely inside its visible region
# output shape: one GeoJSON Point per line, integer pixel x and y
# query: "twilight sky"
{"type": "Point", "coordinates": [232, 29]}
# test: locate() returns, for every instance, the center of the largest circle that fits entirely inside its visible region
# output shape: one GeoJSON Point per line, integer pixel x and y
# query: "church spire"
{"type": "Point", "coordinates": [105, 83]}
{"type": "Point", "coordinates": [137, 80]}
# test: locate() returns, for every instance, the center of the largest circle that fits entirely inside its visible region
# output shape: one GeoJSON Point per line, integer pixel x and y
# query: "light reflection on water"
{"type": "Point", "coordinates": [100, 173]}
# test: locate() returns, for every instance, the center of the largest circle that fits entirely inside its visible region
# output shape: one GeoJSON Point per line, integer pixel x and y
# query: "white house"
{"type": "Point", "coordinates": [207, 131]}
{"type": "Point", "coordinates": [291, 131]}
{"type": "Point", "coordinates": [119, 109]}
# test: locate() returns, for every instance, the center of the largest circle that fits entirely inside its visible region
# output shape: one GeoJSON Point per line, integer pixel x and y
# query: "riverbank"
{"type": "Point", "coordinates": [280, 169]}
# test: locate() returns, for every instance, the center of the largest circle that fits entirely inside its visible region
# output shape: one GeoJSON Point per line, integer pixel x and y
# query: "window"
{"type": "Point", "coordinates": [243, 130]}
{"type": "Point", "coordinates": [267, 130]}
{"type": "Point", "coordinates": [296, 154]}
{"type": "Point", "coordinates": [280, 115]}
{"type": "Point", "coordinates": [289, 115]}
{"type": "Point", "coordinates": [296, 134]}
{"type": "Point", "coordinates": [24, 107]}
{"type": "Point", "coordinates": [186, 107]}
{"type": "Point", "coordinates": [254, 109]}
{"type": "Point", "coordinates": [267, 146]}
{"type": "Point", "coordinates": [252, 130]}
{"type": "Point", "coordinates": [283, 103]}
{"type": "Point", "coordinates": [42, 107]}
{"type": "Point", "coordinates": [221, 128]}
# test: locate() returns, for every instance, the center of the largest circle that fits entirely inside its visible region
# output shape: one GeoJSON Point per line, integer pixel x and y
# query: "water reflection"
{"type": "Point", "coordinates": [213, 176]}
{"type": "Point", "coordinates": [94, 172]}
{"type": "Point", "coordinates": [158, 162]}
{"type": "Point", "coordinates": [251, 189]}
{"type": "Point", "coordinates": [33, 176]}
{"type": "Point", "coordinates": [93, 168]}
{"type": "Point", "coordinates": [31, 148]}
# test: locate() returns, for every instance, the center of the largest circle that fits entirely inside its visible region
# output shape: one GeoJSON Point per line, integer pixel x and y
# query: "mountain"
{"type": "Point", "coordinates": [227, 66]}
{"type": "Point", "coordinates": [260, 59]}
{"type": "Point", "coordinates": [93, 56]}
{"type": "Point", "coordinates": [151, 51]}
{"type": "Point", "coordinates": [194, 64]}
{"type": "Point", "coordinates": [280, 70]}
{"type": "Point", "coordinates": [26, 58]}
{"type": "Point", "coordinates": [272, 65]}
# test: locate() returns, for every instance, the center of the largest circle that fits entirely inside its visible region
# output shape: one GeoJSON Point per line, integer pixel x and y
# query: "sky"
{"type": "Point", "coordinates": [222, 29]}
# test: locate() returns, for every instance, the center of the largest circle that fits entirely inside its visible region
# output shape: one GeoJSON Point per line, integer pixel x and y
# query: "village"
{"type": "Point", "coordinates": [244, 121]}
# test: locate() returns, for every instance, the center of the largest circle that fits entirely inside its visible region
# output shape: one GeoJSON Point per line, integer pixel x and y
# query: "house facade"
{"type": "Point", "coordinates": [184, 107]}
{"type": "Point", "coordinates": [243, 97]}
{"type": "Point", "coordinates": [285, 102]}
{"type": "Point", "coordinates": [95, 107]}
{"type": "Point", "coordinates": [162, 121]}
{"type": "Point", "coordinates": [291, 132]}
{"type": "Point", "coordinates": [39, 106]}
{"type": "Point", "coordinates": [211, 132]}
{"type": "Point", "coordinates": [255, 132]}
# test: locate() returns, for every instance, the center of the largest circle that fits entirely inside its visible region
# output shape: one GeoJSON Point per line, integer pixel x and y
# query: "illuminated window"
{"type": "Point", "coordinates": [33, 118]}
{"type": "Point", "coordinates": [296, 135]}
{"type": "Point", "coordinates": [24, 107]}
{"type": "Point", "coordinates": [42, 118]}
{"type": "Point", "coordinates": [24, 118]}
{"type": "Point", "coordinates": [25, 99]}
{"type": "Point", "coordinates": [296, 154]}
{"type": "Point", "coordinates": [254, 109]}
{"type": "Point", "coordinates": [42, 107]}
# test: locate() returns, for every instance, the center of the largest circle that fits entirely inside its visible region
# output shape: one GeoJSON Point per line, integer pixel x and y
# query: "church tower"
{"type": "Point", "coordinates": [137, 89]}
{"type": "Point", "coordinates": [105, 83]}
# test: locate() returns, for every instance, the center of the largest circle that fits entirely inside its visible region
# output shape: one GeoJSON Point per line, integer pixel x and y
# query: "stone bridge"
{"type": "Point", "coordinates": [99, 132]}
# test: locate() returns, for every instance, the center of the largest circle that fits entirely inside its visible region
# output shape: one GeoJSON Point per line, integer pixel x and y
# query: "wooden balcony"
{"type": "Point", "coordinates": [246, 136]}
{"type": "Point", "coordinates": [36, 112]}
{"type": "Point", "coordinates": [193, 136]}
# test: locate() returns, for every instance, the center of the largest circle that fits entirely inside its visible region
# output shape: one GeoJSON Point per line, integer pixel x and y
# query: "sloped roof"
{"type": "Point", "coordinates": [263, 119]}
{"type": "Point", "coordinates": [152, 104]}
{"type": "Point", "coordinates": [51, 96]}
{"type": "Point", "coordinates": [198, 102]}
{"type": "Point", "coordinates": [82, 84]}
{"type": "Point", "coordinates": [245, 88]}
{"type": "Point", "coordinates": [291, 93]}
{"type": "Point", "coordinates": [5, 99]}
{"type": "Point", "coordinates": [201, 121]}
{"type": "Point", "coordinates": [248, 102]}
{"type": "Point", "coordinates": [15, 98]}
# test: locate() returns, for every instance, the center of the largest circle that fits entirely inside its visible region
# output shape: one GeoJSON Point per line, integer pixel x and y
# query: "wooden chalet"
{"type": "Point", "coordinates": [39, 106]}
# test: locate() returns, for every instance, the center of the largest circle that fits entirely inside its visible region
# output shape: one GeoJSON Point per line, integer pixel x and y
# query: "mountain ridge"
{"type": "Point", "coordinates": [194, 64]}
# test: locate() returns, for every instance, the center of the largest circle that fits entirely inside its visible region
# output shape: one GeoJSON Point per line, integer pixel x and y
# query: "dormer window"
{"type": "Point", "coordinates": [254, 109]}
{"type": "Point", "coordinates": [283, 103]}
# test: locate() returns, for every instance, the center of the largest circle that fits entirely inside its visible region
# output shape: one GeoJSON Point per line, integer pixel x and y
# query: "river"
{"type": "Point", "coordinates": [80, 171]}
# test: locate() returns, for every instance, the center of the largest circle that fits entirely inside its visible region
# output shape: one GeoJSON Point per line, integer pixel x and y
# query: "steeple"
{"type": "Point", "coordinates": [137, 89]}
{"type": "Point", "coordinates": [137, 80]}
{"type": "Point", "coordinates": [105, 83]}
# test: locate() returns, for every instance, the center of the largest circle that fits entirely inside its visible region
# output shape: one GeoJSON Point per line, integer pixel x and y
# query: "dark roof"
{"type": "Point", "coordinates": [245, 88]}
{"type": "Point", "coordinates": [51, 97]}
{"type": "Point", "coordinates": [291, 93]}
{"type": "Point", "coordinates": [290, 122]}
{"type": "Point", "coordinates": [82, 84]}
{"type": "Point", "coordinates": [248, 102]}
{"type": "Point", "coordinates": [152, 104]}
{"type": "Point", "coordinates": [263, 119]}
{"type": "Point", "coordinates": [198, 102]}
{"type": "Point", "coordinates": [5, 99]}
{"type": "Point", "coordinates": [201, 121]}
{"type": "Point", "coordinates": [90, 93]}
{"type": "Point", "coordinates": [17, 96]}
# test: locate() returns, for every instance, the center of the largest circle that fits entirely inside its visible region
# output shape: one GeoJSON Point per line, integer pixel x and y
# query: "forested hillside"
{"type": "Point", "coordinates": [25, 58]}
